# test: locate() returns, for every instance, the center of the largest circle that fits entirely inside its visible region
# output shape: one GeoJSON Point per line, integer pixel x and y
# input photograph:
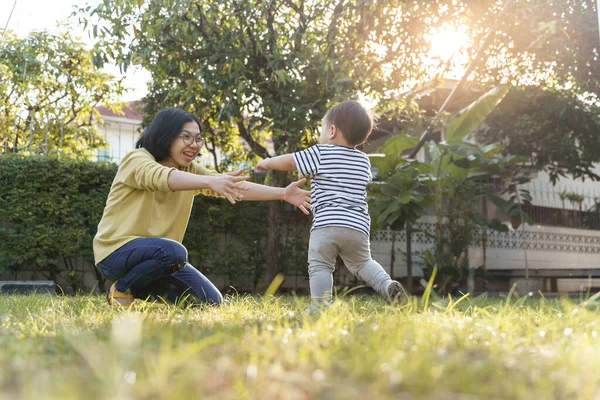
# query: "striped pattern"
{"type": "Point", "coordinates": [340, 176]}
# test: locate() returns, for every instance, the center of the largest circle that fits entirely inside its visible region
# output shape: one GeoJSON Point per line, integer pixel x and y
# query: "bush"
{"type": "Point", "coordinates": [50, 209]}
{"type": "Point", "coordinates": [49, 212]}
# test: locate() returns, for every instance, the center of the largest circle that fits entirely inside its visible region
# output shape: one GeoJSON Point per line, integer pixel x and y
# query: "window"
{"type": "Point", "coordinates": [103, 155]}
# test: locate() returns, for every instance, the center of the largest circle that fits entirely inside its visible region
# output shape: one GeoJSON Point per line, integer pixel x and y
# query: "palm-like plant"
{"type": "Point", "coordinates": [407, 187]}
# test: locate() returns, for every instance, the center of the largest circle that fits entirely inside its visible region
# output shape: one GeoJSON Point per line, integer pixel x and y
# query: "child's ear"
{"type": "Point", "coordinates": [333, 131]}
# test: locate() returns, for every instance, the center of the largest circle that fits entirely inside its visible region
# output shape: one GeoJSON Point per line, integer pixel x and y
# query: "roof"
{"type": "Point", "coordinates": [130, 110]}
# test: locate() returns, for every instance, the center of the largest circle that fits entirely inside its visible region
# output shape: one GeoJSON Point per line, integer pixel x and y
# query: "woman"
{"type": "Point", "coordinates": [138, 244]}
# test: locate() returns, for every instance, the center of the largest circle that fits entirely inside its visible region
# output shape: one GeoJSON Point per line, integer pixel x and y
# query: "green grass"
{"type": "Point", "coordinates": [79, 348]}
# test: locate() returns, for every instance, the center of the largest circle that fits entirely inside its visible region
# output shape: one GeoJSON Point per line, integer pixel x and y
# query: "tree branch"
{"type": "Point", "coordinates": [255, 147]}
{"type": "Point", "coordinates": [299, 34]}
{"type": "Point", "coordinates": [213, 150]}
{"type": "Point", "coordinates": [270, 25]}
{"type": "Point", "coordinates": [332, 31]}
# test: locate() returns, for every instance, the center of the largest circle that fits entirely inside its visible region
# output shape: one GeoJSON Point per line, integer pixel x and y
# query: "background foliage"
{"type": "Point", "coordinates": [556, 130]}
{"type": "Point", "coordinates": [48, 90]}
{"type": "Point", "coordinates": [50, 216]}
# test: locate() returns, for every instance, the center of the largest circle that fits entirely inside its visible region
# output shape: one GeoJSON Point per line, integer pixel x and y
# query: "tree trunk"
{"type": "Point", "coordinates": [484, 237]}
{"type": "Point", "coordinates": [393, 254]}
{"type": "Point", "coordinates": [275, 216]}
{"type": "Point", "coordinates": [439, 227]}
{"type": "Point", "coordinates": [99, 277]}
{"type": "Point", "coordinates": [409, 271]}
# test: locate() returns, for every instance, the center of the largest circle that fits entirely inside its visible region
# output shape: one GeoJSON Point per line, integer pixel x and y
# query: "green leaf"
{"type": "Point", "coordinates": [405, 198]}
{"type": "Point", "coordinates": [396, 145]}
{"type": "Point", "coordinates": [502, 204]}
{"type": "Point", "coordinates": [497, 225]}
{"type": "Point", "coordinates": [517, 220]}
{"type": "Point", "coordinates": [434, 151]}
{"type": "Point", "coordinates": [474, 114]}
{"type": "Point", "coordinates": [464, 150]}
{"type": "Point", "coordinates": [389, 190]}
{"type": "Point", "coordinates": [424, 168]}
{"type": "Point", "coordinates": [492, 149]}
{"type": "Point", "coordinates": [457, 173]}
{"type": "Point", "coordinates": [388, 216]}
{"type": "Point", "coordinates": [393, 148]}
{"type": "Point", "coordinates": [511, 209]}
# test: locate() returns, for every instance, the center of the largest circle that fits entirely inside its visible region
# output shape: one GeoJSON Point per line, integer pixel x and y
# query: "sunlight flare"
{"type": "Point", "coordinates": [447, 42]}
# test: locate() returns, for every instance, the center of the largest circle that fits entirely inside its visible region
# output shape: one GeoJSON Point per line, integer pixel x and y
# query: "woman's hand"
{"type": "Point", "coordinates": [228, 185]}
{"type": "Point", "coordinates": [235, 173]}
{"type": "Point", "coordinates": [298, 197]}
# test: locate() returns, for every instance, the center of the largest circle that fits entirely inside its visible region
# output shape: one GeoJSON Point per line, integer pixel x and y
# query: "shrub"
{"type": "Point", "coordinates": [50, 209]}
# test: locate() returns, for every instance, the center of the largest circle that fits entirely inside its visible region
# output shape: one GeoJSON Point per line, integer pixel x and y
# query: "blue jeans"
{"type": "Point", "coordinates": [149, 267]}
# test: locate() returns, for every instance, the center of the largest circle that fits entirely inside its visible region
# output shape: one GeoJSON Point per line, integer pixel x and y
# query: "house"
{"type": "Point", "coordinates": [120, 131]}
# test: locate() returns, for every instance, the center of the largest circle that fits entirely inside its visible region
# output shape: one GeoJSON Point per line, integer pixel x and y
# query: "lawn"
{"type": "Point", "coordinates": [255, 348]}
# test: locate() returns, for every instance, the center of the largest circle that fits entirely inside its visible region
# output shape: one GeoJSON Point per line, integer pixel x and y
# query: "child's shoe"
{"type": "Point", "coordinates": [317, 307]}
{"type": "Point", "coordinates": [116, 298]}
{"type": "Point", "coordinates": [394, 292]}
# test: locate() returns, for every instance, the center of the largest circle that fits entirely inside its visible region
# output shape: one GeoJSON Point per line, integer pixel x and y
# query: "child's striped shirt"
{"type": "Point", "coordinates": [340, 176]}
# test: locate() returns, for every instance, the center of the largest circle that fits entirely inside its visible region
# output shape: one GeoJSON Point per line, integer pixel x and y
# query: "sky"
{"type": "Point", "coordinates": [36, 15]}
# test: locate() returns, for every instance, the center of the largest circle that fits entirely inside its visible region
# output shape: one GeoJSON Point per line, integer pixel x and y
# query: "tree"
{"type": "Point", "coordinates": [549, 43]}
{"type": "Point", "coordinates": [48, 90]}
{"type": "Point", "coordinates": [556, 131]}
{"type": "Point", "coordinates": [548, 50]}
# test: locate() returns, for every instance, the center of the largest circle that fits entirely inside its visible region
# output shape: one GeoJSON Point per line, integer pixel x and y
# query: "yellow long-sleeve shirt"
{"type": "Point", "coordinates": [140, 204]}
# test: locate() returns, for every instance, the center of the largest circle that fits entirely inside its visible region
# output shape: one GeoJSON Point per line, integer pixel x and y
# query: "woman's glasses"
{"type": "Point", "coordinates": [189, 138]}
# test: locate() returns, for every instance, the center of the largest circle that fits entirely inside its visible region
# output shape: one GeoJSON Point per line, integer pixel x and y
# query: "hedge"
{"type": "Point", "coordinates": [50, 209]}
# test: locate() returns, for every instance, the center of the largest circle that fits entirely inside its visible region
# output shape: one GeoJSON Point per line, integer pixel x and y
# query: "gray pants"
{"type": "Point", "coordinates": [354, 248]}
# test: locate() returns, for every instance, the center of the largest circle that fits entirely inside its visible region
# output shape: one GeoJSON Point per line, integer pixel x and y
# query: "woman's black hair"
{"type": "Point", "coordinates": [163, 130]}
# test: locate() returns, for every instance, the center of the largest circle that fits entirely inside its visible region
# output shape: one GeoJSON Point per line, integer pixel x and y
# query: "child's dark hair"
{"type": "Point", "coordinates": [163, 130]}
{"type": "Point", "coordinates": [354, 120]}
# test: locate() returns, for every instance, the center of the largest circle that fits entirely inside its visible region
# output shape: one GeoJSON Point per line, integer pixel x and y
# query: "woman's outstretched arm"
{"type": "Point", "coordinates": [226, 185]}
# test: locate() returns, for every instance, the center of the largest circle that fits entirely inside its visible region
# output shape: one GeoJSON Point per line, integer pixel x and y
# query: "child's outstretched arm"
{"type": "Point", "coordinates": [284, 162]}
{"type": "Point", "coordinates": [292, 194]}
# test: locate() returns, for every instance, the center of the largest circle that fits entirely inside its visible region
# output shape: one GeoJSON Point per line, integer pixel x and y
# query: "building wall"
{"type": "Point", "coordinates": [121, 135]}
{"type": "Point", "coordinates": [541, 246]}
{"type": "Point", "coordinates": [545, 194]}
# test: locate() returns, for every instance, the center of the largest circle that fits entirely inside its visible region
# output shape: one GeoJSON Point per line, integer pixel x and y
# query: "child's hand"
{"type": "Point", "coordinates": [298, 197]}
{"type": "Point", "coordinates": [262, 165]}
